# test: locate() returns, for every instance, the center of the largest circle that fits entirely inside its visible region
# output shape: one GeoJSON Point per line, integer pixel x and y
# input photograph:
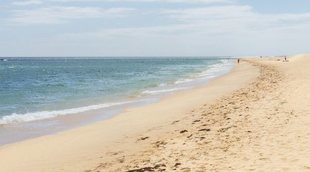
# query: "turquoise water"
{"type": "Point", "coordinates": [39, 88]}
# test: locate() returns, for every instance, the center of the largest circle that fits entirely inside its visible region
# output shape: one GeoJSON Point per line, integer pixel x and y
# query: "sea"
{"type": "Point", "coordinates": [36, 90]}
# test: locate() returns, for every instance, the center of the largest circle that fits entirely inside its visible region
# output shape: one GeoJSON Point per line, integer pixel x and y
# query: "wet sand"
{"type": "Point", "coordinates": [255, 118]}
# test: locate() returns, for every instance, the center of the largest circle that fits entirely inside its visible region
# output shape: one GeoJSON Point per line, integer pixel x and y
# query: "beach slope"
{"type": "Point", "coordinates": [261, 127]}
{"type": "Point", "coordinates": [255, 118]}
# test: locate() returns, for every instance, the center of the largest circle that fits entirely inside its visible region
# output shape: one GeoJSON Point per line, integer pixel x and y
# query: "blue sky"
{"type": "Point", "coordinates": [153, 27]}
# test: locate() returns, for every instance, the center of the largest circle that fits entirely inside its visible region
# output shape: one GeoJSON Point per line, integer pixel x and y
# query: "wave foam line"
{"type": "Point", "coordinates": [154, 92]}
{"type": "Point", "coordinates": [33, 116]}
{"type": "Point", "coordinates": [212, 71]}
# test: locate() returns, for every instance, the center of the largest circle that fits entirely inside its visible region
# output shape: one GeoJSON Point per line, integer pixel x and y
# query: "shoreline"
{"type": "Point", "coordinates": [245, 120]}
{"type": "Point", "coordinates": [186, 81]}
{"type": "Point", "coordinates": [15, 132]}
{"type": "Point", "coordinates": [99, 137]}
{"type": "Point", "coordinates": [260, 127]}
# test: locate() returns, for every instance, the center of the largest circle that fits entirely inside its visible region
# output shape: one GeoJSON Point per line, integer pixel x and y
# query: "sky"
{"type": "Point", "coordinates": [153, 27]}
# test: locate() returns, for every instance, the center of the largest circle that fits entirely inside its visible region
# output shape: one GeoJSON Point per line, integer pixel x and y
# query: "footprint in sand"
{"type": "Point", "coordinates": [205, 129]}
{"type": "Point", "coordinates": [183, 131]}
{"type": "Point", "coordinates": [143, 138]}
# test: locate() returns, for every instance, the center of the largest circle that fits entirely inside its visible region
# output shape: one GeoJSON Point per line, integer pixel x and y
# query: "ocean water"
{"type": "Point", "coordinates": [40, 88]}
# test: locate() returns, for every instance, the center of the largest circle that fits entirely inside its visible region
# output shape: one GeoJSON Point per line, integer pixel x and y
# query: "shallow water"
{"type": "Point", "coordinates": [41, 88]}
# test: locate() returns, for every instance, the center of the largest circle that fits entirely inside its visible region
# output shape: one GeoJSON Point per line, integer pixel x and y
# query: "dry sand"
{"type": "Point", "coordinates": [256, 118]}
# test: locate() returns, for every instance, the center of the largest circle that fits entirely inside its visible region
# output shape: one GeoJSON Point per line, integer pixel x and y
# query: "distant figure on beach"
{"type": "Point", "coordinates": [261, 56]}
{"type": "Point", "coordinates": [238, 61]}
{"type": "Point", "coordinates": [285, 58]}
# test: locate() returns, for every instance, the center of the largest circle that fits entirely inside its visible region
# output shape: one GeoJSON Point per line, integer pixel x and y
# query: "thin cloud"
{"type": "Point", "coordinates": [57, 14]}
{"type": "Point", "coordinates": [213, 12]}
{"type": "Point", "coordinates": [234, 16]}
{"type": "Point", "coordinates": [226, 19]}
{"type": "Point", "coordinates": [154, 1]}
{"type": "Point", "coordinates": [27, 2]}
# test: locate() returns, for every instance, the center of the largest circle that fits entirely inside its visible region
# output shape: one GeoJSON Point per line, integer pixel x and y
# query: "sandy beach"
{"type": "Point", "coordinates": [256, 118]}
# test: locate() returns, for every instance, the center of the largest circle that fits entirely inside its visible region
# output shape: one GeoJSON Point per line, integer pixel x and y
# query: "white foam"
{"type": "Point", "coordinates": [154, 92]}
{"type": "Point", "coordinates": [212, 71]}
{"type": "Point", "coordinates": [162, 84]}
{"type": "Point", "coordinates": [33, 116]}
{"type": "Point", "coordinates": [183, 81]}
{"type": "Point", "coordinates": [216, 69]}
